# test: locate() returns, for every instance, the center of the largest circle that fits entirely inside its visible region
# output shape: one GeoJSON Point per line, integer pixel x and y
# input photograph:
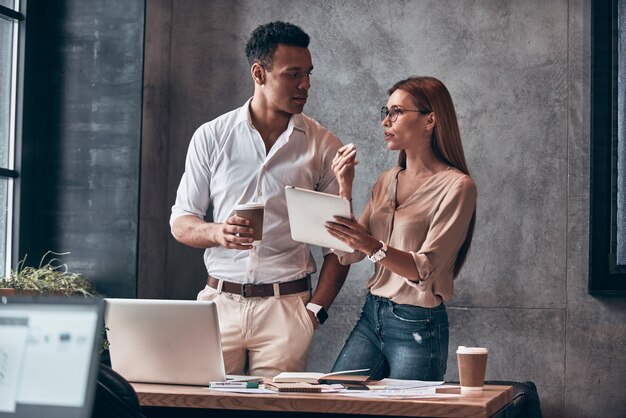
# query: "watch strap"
{"type": "Point", "coordinates": [319, 312]}
{"type": "Point", "coordinates": [379, 255]}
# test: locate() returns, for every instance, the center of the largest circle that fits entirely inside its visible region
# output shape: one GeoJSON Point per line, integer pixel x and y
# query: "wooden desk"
{"type": "Point", "coordinates": [485, 404]}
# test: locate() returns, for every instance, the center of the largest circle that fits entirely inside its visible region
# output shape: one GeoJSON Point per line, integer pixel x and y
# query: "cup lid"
{"type": "Point", "coordinates": [471, 350]}
{"type": "Point", "coordinates": [250, 205]}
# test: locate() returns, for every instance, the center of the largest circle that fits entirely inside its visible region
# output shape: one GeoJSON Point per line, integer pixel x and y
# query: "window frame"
{"type": "Point", "coordinates": [605, 276]}
{"type": "Point", "coordinates": [11, 171]}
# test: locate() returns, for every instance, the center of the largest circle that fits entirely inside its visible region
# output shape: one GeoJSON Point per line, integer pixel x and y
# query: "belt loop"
{"type": "Point", "coordinates": [220, 283]}
{"type": "Point", "coordinates": [276, 290]}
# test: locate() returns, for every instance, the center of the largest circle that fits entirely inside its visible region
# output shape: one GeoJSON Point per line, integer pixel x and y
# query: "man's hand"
{"type": "Point", "coordinates": [235, 233]}
{"type": "Point", "coordinates": [331, 278]}
{"type": "Point", "coordinates": [313, 319]}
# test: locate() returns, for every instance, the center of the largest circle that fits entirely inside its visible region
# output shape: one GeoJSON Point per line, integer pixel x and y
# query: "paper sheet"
{"type": "Point", "coordinates": [401, 389]}
{"type": "Point", "coordinates": [407, 384]}
{"type": "Point", "coordinates": [243, 390]}
{"type": "Point", "coordinates": [413, 393]}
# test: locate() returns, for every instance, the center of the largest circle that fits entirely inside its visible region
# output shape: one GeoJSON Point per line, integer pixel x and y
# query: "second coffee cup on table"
{"type": "Point", "coordinates": [472, 366]}
{"type": "Point", "coordinates": [254, 213]}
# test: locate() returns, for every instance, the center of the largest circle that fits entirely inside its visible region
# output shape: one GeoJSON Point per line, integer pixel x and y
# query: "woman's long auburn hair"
{"type": "Point", "coordinates": [429, 94]}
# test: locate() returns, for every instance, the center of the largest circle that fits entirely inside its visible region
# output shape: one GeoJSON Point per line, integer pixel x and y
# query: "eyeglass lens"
{"type": "Point", "coordinates": [384, 112]}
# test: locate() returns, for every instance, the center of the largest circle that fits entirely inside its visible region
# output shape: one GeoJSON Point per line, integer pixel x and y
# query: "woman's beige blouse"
{"type": "Point", "coordinates": [431, 224]}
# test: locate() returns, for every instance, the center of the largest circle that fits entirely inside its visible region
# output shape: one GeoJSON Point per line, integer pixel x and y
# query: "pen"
{"type": "Point", "coordinates": [244, 385]}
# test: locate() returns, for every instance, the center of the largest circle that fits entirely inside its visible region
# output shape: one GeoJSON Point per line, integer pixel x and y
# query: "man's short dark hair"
{"type": "Point", "coordinates": [265, 39]}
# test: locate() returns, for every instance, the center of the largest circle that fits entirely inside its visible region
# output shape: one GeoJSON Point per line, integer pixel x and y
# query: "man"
{"type": "Point", "coordinates": [249, 155]}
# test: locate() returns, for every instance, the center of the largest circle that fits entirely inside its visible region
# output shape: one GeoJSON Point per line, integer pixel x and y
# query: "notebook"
{"type": "Point", "coordinates": [344, 376]}
{"type": "Point", "coordinates": [165, 341]}
{"type": "Point", "coordinates": [309, 211]}
{"type": "Point", "coordinates": [49, 352]}
{"type": "Point", "coordinates": [294, 387]}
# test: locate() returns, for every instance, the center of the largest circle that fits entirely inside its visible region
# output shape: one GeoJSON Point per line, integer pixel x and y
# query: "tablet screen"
{"type": "Point", "coordinates": [308, 213]}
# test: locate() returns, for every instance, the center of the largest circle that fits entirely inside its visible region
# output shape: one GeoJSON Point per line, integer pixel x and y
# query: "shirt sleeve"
{"type": "Point", "coordinates": [193, 195]}
{"type": "Point", "coordinates": [448, 230]}
{"type": "Point", "coordinates": [327, 181]}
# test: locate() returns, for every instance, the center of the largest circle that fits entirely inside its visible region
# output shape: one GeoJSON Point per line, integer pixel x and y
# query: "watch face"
{"type": "Point", "coordinates": [322, 316]}
{"type": "Point", "coordinates": [377, 256]}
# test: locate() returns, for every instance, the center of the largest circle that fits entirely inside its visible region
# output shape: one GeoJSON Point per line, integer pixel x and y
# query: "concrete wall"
{"type": "Point", "coordinates": [519, 74]}
{"type": "Point", "coordinates": [79, 166]}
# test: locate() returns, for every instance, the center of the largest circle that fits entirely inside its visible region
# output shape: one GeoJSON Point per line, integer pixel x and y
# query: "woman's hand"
{"type": "Point", "coordinates": [351, 232]}
{"type": "Point", "coordinates": [343, 167]}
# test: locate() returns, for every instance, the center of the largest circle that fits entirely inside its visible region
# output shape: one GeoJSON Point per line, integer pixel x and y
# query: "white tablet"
{"type": "Point", "coordinates": [308, 213]}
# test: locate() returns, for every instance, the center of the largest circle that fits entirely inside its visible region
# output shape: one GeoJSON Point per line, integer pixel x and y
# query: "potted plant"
{"type": "Point", "coordinates": [52, 278]}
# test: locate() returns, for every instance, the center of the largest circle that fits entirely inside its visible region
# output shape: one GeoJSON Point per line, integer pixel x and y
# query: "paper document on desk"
{"type": "Point", "coordinates": [241, 390]}
{"type": "Point", "coordinates": [243, 378]}
{"type": "Point", "coordinates": [413, 393]}
{"type": "Point", "coordinates": [406, 384]}
{"type": "Point", "coordinates": [397, 388]}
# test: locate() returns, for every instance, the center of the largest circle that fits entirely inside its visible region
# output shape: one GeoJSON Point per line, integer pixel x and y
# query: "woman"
{"type": "Point", "coordinates": [417, 228]}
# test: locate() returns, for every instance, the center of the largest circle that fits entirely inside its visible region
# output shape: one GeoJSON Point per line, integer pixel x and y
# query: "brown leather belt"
{"type": "Point", "coordinates": [262, 290]}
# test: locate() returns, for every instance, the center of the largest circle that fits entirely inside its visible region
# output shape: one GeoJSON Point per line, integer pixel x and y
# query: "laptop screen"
{"type": "Point", "coordinates": [48, 356]}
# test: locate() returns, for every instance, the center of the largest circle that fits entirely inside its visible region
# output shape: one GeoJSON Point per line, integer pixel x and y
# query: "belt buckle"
{"type": "Point", "coordinates": [244, 287]}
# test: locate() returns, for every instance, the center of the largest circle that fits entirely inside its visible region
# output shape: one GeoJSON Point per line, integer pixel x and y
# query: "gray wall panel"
{"type": "Point", "coordinates": [84, 130]}
{"type": "Point", "coordinates": [519, 75]}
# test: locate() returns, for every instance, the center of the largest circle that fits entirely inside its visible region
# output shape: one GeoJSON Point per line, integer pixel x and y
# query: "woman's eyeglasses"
{"type": "Point", "coordinates": [395, 111]}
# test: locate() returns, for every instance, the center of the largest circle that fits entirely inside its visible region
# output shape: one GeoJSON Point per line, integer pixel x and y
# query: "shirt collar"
{"type": "Point", "coordinates": [296, 121]}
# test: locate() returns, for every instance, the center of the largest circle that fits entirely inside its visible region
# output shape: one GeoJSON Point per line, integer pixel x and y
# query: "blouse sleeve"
{"type": "Point", "coordinates": [356, 256]}
{"type": "Point", "coordinates": [448, 230]}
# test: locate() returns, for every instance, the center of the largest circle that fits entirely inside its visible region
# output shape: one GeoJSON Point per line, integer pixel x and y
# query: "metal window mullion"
{"type": "Point", "coordinates": [10, 14]}
{"type": "Point", "coordinates": [13, 117]}
{"type": "Point", "coordinates": [12, 145]}
{"type": "Point", "coordinates": [10, 174]}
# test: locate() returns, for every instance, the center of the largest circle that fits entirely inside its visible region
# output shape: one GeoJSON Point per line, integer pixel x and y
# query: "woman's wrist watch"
{"type": "Point", "coordinates": [378, 255]}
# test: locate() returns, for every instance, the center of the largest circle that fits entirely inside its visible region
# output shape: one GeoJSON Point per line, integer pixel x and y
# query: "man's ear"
{"type": "Point", "coordinates": [258, 73]}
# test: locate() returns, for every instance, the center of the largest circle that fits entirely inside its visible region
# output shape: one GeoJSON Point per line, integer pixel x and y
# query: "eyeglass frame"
{"type": "Point", "coordinates": [397, 110]}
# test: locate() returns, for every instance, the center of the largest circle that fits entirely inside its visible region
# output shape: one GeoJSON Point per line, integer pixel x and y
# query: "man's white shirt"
{"type": "Point", "coordinates": [227, 165]}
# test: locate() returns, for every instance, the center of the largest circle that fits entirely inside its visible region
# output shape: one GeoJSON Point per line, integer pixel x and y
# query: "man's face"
{"type": "Point", "coordinates": [287, 85]}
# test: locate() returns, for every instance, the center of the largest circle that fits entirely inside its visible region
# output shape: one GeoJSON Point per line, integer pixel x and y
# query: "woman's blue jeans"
{"type": "Point", "coordinates": [397, 341]}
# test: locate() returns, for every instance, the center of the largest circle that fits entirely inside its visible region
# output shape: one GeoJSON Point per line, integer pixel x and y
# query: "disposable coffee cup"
{"type": "Point", "coordinates": [254, 213]}
{"type": "Point", "coordinates": [472, 366]}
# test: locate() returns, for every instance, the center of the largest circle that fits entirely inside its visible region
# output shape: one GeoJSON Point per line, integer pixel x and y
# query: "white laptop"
{"type": "Point", "coordinates": [308, 213]}
{"type": "Point", "coordinates": [49, 356]}
{"type": "Point", "coordinates": [164, 341]}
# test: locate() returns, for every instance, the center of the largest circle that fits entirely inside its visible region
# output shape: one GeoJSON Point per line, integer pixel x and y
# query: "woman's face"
{"type": "Point", "coordinates": [411, 129]}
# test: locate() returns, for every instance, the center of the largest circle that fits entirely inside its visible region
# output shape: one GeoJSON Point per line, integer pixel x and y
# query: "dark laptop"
{"type": "Point", "coordinates": [49, 348]}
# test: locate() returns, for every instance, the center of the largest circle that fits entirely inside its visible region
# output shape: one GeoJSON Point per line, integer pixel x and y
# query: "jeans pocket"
{"type": "Point", "coordinates": [410, 313]}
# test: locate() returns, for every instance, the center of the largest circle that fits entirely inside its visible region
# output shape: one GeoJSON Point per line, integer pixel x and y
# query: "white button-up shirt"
{"type": "Point", "coordinates": [227, 165]}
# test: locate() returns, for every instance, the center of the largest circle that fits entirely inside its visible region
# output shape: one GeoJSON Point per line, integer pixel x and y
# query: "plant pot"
{"type": "Point", "coordinates": [9, 291]}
